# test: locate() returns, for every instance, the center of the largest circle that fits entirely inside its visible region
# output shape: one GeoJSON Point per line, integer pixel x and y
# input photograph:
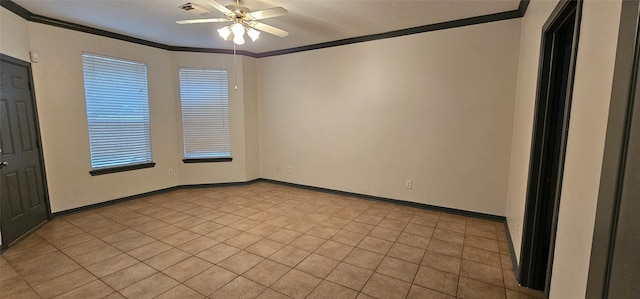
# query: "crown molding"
{"type": "Point", "coordinates": [27, 15]}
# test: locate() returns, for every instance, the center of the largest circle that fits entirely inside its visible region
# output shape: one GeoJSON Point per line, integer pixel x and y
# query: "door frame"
{"type": "Point", "coordinates": [529, 257]}
{"type": "Point", "coordinates": [624, 89]}
{"type": "Point", "coordinates": [19, 62]}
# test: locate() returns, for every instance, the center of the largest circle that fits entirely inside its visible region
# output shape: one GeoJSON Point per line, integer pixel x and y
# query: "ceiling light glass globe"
{"type": "Point", "coordinates": [253, 34]}
{"type": "Point", "coordinates": [238, 39]}
{"type": "Point", "coordinates": [224, 32]}
{"type": "Point", "coordinates": [237, 29]}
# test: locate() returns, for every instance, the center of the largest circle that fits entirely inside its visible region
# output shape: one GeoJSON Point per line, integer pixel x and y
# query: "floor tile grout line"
{"type": "Point", "coordinates": [325, 278]}
{"type": "Point", "coordinates": [352, 219]}
{"type": "Point", "coordinates": [124, 252]}
{"type": "Point", "coordinates": [464, 240]}
{"type": "Point", "coordinates": [81, 266]}
{"type": "Point", "coordinates": [420, 263]}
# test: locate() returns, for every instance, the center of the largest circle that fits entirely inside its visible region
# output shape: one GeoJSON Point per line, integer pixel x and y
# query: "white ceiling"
{"type": "Point", "coordinates": [309, 21]}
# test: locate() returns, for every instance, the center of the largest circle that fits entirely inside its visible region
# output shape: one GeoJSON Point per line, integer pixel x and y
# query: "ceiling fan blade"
{"type": "Point", "coordinates": [268, 13]}
{"type": "Point", "coordinates": [198, 21]}
{"type": "Point", "coordinates": [268, 29]}
{"type": "Point", "coordinates": [220, 7]}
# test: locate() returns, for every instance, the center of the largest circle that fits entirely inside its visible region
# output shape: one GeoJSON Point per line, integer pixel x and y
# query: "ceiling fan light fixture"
{"type": "Point", "coordinates": [253, 34]}
{"type": "Point", "coordinates": [244, 20]}
{"type": "Point", "coordinates": [237, 29]}
{"type": "Point", "coordinates": [238, 39]}
{"type": "Point", "coordinates": [224, 32]}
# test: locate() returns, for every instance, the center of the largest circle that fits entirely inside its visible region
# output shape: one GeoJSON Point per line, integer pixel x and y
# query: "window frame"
{"type": "Point", "coordinates": [227, 120]}
{"type": "Point", "coordinates": [148, 150]}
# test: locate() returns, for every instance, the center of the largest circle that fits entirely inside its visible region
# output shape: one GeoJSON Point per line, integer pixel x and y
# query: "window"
{"type": "Point", "coordinates": [204, 95]}
{"type": "Point", "coordinates": [117, 112]}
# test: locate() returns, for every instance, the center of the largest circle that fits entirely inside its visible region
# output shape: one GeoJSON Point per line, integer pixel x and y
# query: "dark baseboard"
{"type": "Point", "coordinates": [155, 192]}
{"type": "Point", "coordinates": [215, 185]}
{"type": "Point", "coordinates": [514, 261]}
{"type": "Point", "coordinates": [318, 189]}
{"type": "Point", "coordinates": [306, 187]}
{"type": "Point", "coordinates": [394, 201]}
{"type": "Point", "coordinates": [111, 202]}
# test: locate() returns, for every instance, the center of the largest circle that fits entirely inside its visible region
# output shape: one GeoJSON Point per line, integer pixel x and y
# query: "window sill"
{"type": "Point", "coordinates": [206, 160]}
{"type": "Point", "coordinates": [109, 170]}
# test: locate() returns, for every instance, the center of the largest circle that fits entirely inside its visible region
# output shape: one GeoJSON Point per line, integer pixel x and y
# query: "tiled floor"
{"type": "Point", "coordinates": [261, 241]}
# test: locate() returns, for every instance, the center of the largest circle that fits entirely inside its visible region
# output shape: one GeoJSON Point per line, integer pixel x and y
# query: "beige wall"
{"type": "Point", "coordinates": [537, 14]}
{"type": "Point", "coordinates": [58, 80]}
{"type": "Point", "coordinates": [252, 137]}
{"type": "Point", "coordinates": [436, 108]}
{"type": "Point", "coordinates": [585, 145]}
{"type": "Point", "coordinates": [223, 172]}
{"type": "Point", "coordinates": [14, 35]}
{"type": "Point", "coordinates": [62, 113]}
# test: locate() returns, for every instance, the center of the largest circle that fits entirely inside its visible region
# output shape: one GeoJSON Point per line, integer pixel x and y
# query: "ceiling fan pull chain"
{"type": "Point", "coordinates": [235, 66]}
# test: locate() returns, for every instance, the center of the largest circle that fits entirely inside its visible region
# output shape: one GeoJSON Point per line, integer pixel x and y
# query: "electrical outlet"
{"type": "Point", "coordinates": [408, 184]}
{"type": "Point", "coordinates": [170, 171]}
{"type": "Point", "coordinates": [289, 169]}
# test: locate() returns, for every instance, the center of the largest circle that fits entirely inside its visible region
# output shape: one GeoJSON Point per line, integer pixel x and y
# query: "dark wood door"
{"type": "Point", "coordinates": [22, 186]}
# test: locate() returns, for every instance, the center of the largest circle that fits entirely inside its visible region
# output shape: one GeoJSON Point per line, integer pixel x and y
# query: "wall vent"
{"type": "Point", "coordinates": [194, 9]}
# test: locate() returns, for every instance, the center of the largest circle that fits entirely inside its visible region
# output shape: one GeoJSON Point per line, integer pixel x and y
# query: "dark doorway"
{"type": "Point", "coordinates": [23, 195]}
{"type": "Point", "coordinates": [559, 48]}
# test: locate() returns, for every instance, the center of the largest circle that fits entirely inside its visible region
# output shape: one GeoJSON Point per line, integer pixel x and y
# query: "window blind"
{"type": "Point", "coordinates": [204, 97]}
{"type": "Point", "coordinates": [117, 111]}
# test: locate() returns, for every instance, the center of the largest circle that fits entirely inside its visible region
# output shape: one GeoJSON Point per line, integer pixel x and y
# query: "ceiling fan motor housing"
{"type": "Point", "coordinates": [239, 10]}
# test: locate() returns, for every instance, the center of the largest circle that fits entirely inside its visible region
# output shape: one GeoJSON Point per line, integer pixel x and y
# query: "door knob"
{"type": "Point", "coordinates": [3, 164]}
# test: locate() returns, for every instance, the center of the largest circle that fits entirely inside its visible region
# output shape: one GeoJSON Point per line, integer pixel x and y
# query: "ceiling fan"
{"type": "Point", "coordinates": [244, 20]}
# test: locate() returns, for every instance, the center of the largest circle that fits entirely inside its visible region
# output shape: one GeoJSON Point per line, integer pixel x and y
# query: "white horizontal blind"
{"type": "Point", "coordinates": [204, 95]}
{"type": "Point", "coordinates": [117, 111]}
